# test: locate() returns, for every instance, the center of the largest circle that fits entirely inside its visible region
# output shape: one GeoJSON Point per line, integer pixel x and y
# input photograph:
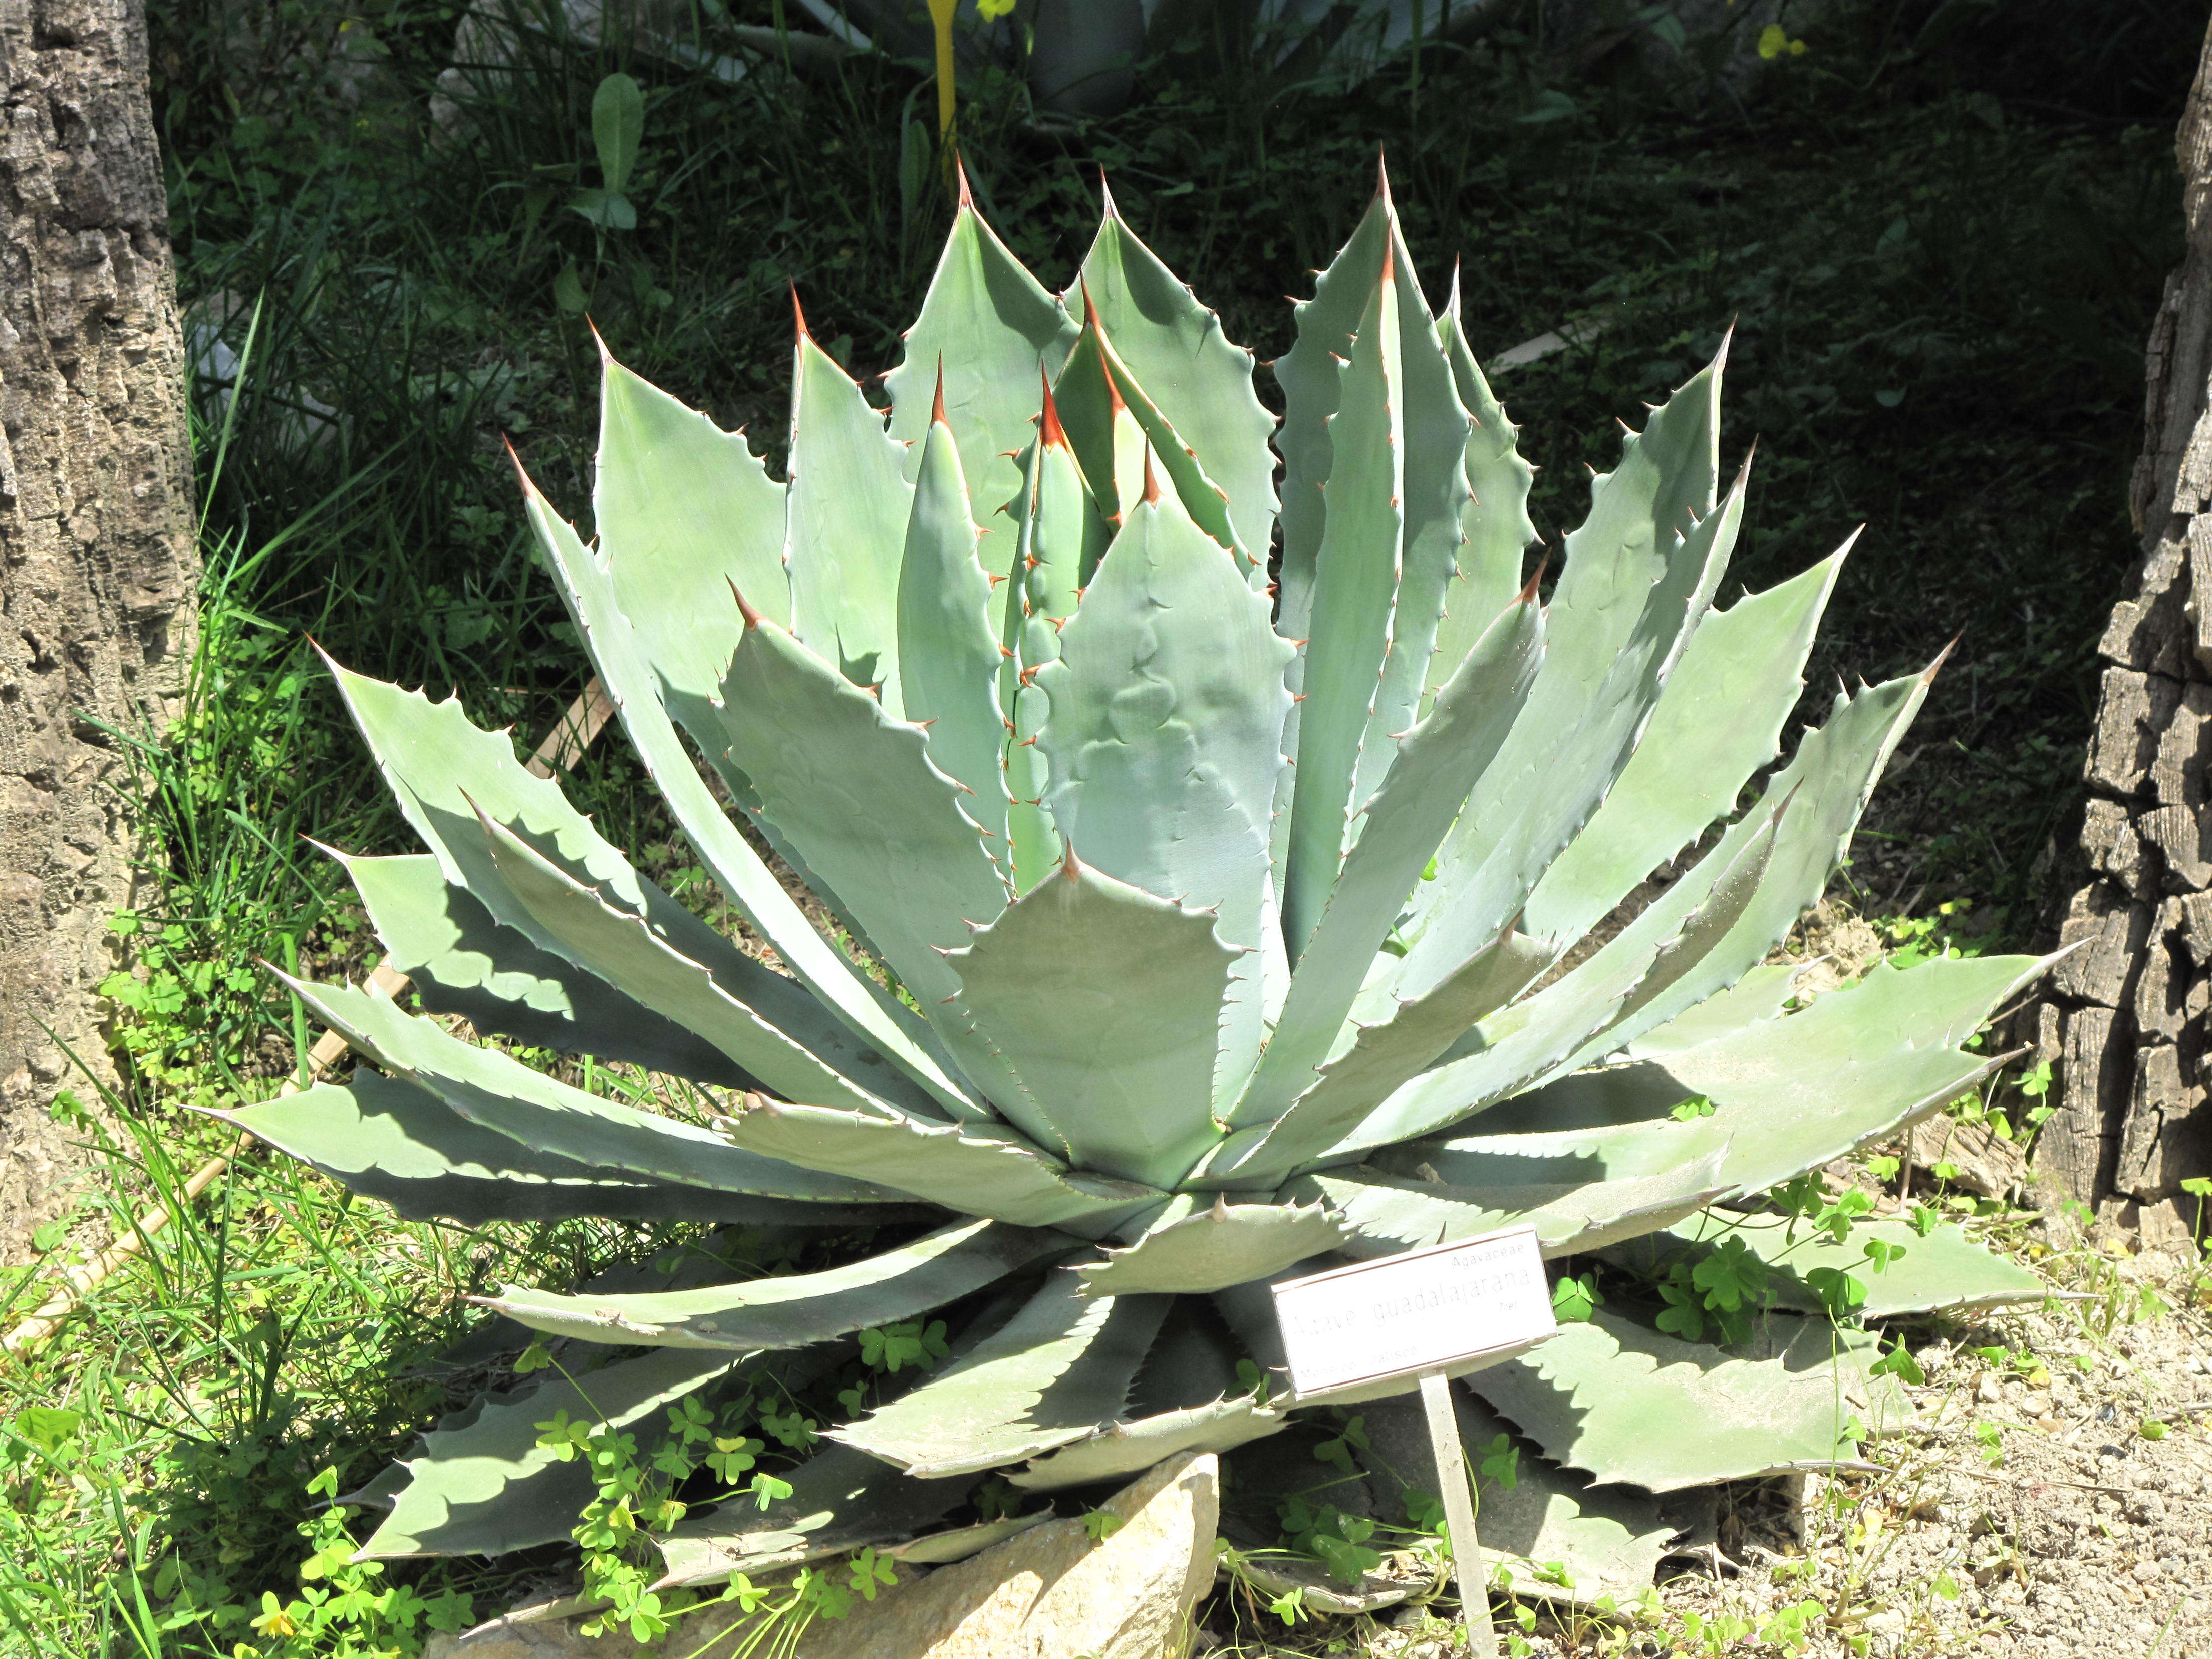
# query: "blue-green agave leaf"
{"type": "Point", "coordinates": [1206, 1250]}
{"type": "Point", "coordinates": [847, 525]}
{"type": "Point", "coordinates": [976, 1172]}
{"type": "Point", "coordinates": [684, 509]}
{"type": "Point", "coordinates": [1390, 1213]}
{"type": "Point", "coordinates": [1201, 384]}
{"type": "Point", "coordinates": [484, 1486]}
{"type": "Point", "coordinates": [1640, 572]}
{"type": "Point", "coordinates": [1129, 1446]}
{"type": "Point", "coordinates": [1355, 587]}
{"type": "Point", "coordinates": [1537, 1037]}
{"type": "Point", "coordinates": [460, 961]}
{"type": "Point", "coordinates": [1121, 440]}
{"type": "Point", "coordinates": [989, 327]}
{"type": "Point", "coordinates": [793, 1310]}
{"type": "Point", "coordinates": [1941, 1269]}
{"type": "Point", "coordinates": [1435, 766]}
{"type": "Point", "coordinates": [620, 949]}
{"type": "Point", "coordinates": [1107, 1001]}
{"type": "Point", "coordinates": [1495, 521]}
{"type": "Point", "coordinates": [840, 1500]}
{"type": "Point", "coordinates": [1718, 721]}
{"type": "Point", "coordinates": [847, 995]}
{"type": "Point", "coordinates": [1788, 1094]}
{"type": "Point", "coordinates": [500, 1093]}
{"type": "Point", "coordinates": [391, 1139]}
{"type": "Point", "coordinates": [1060, 536]}
{"type": "Point", "coordinates": [1610, 1396]}
{"type": "Point", "coordinates": [1054, 1373]}
{"type": "Point", "coordinates": [1166, 709]}
{"type": "Point", "coordinates": [948, 651]}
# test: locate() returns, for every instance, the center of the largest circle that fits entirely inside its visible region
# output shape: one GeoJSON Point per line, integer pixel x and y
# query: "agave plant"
{"type": "Point", "coordinates": [1224, 887]}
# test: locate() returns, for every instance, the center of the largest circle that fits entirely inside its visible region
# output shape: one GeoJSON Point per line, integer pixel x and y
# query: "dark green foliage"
{"type": "Point", "coordinates": [1939, 272]}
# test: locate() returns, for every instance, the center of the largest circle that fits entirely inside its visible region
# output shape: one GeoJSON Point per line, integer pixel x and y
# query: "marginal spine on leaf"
{"type": "Point", "coordinates": [1050, 433]}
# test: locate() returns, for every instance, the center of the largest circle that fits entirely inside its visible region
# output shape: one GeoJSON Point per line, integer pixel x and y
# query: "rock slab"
{"type": "Point", "coordinates": [1053, 1592]}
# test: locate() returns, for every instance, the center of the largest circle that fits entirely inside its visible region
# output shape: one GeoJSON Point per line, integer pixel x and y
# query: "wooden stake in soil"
{"type": "Point", "coordinates": [1459, 1515]}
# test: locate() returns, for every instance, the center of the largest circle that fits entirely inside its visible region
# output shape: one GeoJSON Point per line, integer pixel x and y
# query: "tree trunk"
{"type": "Point", "coordinates": [96, 551]}
{"type": "Point", "coordinates": [2125, 1024]}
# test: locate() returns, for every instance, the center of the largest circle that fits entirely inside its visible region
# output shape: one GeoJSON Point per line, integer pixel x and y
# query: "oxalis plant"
{"type": "Point", "coordinates": [1224, 887]}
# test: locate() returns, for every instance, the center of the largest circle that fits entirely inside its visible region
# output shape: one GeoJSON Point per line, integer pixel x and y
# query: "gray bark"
{"type": "Point", "coordinates": [2125, 1024]}
{"type": "Point", "coordinates": [96, 539]}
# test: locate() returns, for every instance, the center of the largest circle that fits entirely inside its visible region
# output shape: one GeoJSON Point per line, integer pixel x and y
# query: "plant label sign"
{"type": "Point", "coordinates": [1437, 1309]}
{"type": "Point", "coordinates": [1425, 1314]}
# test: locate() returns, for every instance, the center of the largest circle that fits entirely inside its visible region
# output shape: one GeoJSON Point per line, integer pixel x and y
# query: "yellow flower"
{"type": "Point", "coordinates": [1774, 40]}
{"type": "Point", "coordinates": [275, 1620]}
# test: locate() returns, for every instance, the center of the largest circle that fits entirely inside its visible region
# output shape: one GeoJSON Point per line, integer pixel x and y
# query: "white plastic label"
{"type": "Point", "coordinates": [1436, 1309]}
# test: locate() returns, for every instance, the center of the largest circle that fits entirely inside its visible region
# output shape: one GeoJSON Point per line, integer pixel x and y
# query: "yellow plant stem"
{"type": "Point", "coordinates": [940, 17]}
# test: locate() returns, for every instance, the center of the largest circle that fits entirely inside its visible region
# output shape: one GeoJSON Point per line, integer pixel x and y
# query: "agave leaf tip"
{"type": "Point", "coordinates": [1928, 674]}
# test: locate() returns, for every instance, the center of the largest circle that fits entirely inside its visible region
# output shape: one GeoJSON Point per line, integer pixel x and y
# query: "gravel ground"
{"type": "Point", "coordinates": [2028, 1512]}
{"type": "Point", "coordinates": [2053, 1496]}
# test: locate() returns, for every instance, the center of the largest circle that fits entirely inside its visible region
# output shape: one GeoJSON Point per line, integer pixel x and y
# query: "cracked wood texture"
{"type": "Point", "coordinates": [2125, 1025]}
{"type": "Point", "coordinates": [95, 541]}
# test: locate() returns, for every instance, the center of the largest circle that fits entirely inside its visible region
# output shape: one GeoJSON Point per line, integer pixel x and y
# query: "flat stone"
{"type": "Point", "coordinates": [1054, 1594]}
{"type": "Point", "coordinates": [1050, 1593]}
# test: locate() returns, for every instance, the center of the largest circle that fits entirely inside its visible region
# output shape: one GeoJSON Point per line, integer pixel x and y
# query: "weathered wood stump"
{"type": "Point", "coordinates": [96, 554]}
{"type": "Point", "coordinates": [2125, 1022]}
